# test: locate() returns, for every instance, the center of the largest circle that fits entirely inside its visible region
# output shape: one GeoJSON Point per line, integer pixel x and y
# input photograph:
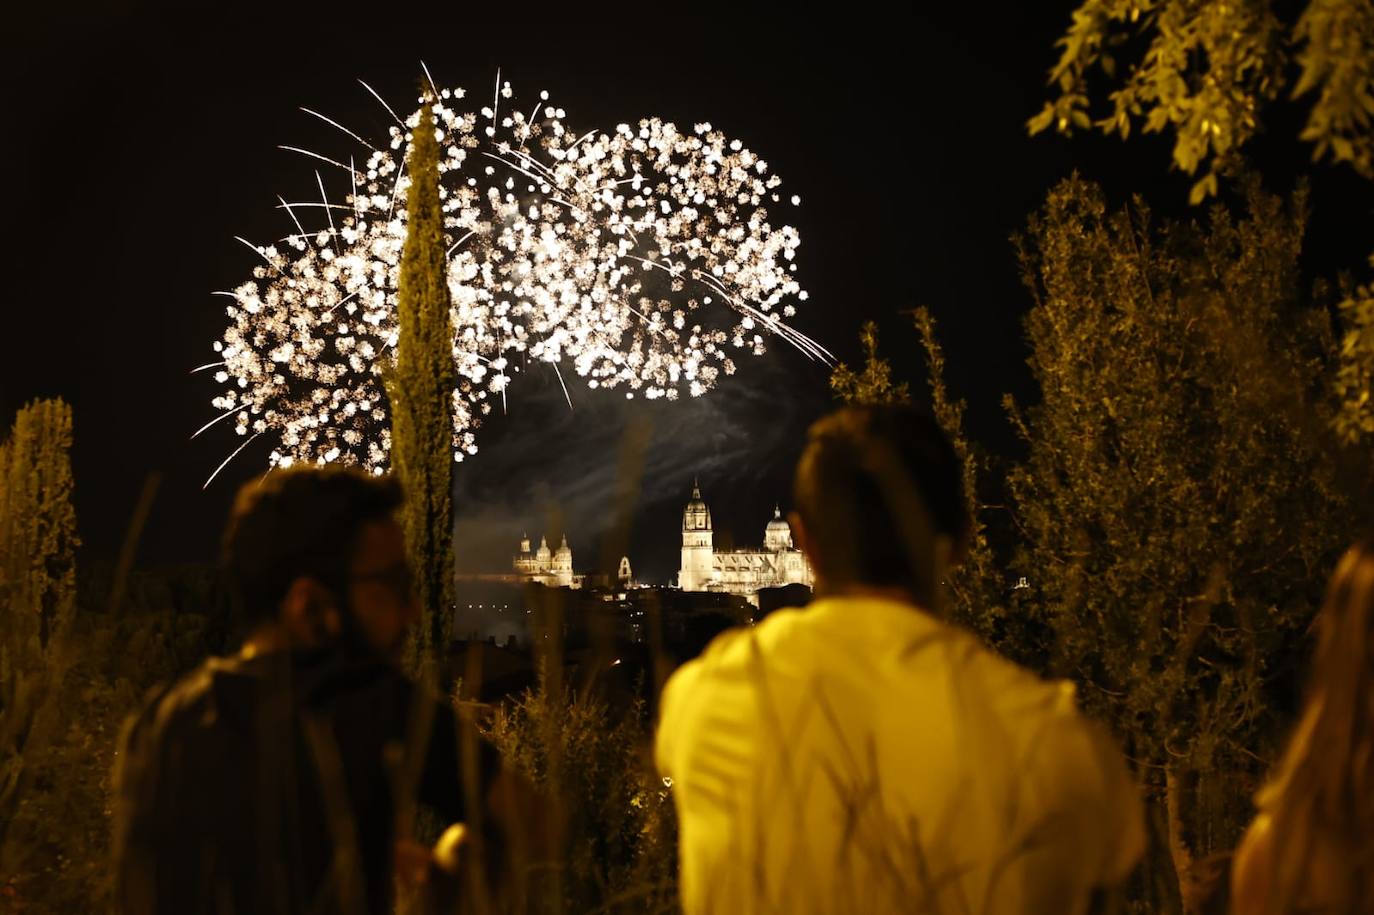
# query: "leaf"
{"type": "Point", "coordinates": [1202, 189]}
{"type": "Point", "coordinates": [1041, 121]}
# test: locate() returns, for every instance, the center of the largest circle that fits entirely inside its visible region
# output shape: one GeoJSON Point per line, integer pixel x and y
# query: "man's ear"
{"type": "Point", "coordinates": [802, 537]}
{"type": "Point", "coordinates": [310, 613]}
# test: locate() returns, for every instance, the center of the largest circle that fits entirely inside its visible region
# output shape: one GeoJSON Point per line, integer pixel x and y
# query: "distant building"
{"type": "Point", "coordinates": [554, 569]}
{"type": "Point", "coordinates": [742, 572]}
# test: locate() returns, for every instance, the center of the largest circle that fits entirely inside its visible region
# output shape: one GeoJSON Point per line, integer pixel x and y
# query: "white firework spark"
{"type": "Point", "coordinates": [644, 258]}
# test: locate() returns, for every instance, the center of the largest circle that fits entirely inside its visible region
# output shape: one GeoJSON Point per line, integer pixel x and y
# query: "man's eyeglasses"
{"type": "Point", "coordinates": [398, 579]}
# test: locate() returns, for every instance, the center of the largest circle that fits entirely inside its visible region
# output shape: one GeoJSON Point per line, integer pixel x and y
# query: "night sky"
{"type": "Point", "coordinates": [140, 140]}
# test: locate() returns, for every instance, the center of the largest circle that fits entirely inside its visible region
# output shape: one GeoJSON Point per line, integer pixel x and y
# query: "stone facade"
{"type": "Point", "coordinates": [554, 569]}
{"type": "Point", "coordinates": [742, 572]}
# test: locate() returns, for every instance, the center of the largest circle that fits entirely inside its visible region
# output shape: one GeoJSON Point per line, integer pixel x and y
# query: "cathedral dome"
{"type": "Point", "coordinates": [778, 534]}
{"type": "Point", "coordinates": [564, 549]}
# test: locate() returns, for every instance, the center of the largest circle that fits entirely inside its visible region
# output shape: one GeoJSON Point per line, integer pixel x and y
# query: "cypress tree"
{"type": "Point", "coordinates": [420, 389]}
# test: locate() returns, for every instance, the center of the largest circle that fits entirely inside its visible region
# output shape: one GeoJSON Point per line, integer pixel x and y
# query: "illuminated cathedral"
{"type": "Point", "coordinates": [742, 572]}
{"type": "Point", "coordinates": [554, 569]}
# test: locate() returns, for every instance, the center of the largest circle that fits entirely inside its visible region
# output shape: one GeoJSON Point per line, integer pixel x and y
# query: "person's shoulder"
{"type": "Point", "coordinates": [1018, 689]}
{"type": "Point", "coordinates": [733, 655]}
{"type": "Point", "coordinates": [923, 640]}
{"type": "Point", "coordinates": [697, 685]}
{"type": "Point", "coordinates": [176, 698]}
{"type": "Point", "coordinates": [166, 718]}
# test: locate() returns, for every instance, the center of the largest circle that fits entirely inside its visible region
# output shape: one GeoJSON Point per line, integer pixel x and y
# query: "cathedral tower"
{"type": "Point", "coordinates": [697, 548]}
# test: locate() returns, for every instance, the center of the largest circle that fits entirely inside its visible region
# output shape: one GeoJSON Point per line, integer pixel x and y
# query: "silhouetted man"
{"type": "Point", "coordinates": [283, 779]}
{"type": "Point", "coordinates": [864, 756]}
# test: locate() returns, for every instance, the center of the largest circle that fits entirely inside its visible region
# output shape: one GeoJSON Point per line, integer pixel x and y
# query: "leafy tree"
{"type": "Point", "coordinates": [1179, 507]}
{"type": "Point", "coordinates": [1205, 69]}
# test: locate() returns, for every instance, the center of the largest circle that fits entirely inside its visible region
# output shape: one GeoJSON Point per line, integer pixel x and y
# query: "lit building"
{"type": "Point", "coordinates": [741, 572]}
{"type": "Point", "coordinates": [554, 569]}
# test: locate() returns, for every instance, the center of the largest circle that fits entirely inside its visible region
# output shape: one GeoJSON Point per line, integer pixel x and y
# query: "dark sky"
{"type": "Point", "coordinates": [140, 140]}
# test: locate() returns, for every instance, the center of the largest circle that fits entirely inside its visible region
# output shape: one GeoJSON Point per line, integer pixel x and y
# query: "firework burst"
{"type": "Point", "coordinates": [643, 258]}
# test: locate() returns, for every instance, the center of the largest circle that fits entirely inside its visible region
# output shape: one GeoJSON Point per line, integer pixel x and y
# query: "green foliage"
{"type": "Point", "coordinates": [68, 676]}
{"type": "Point", "coordinates": [622, 842]}
{"type": "Point", "coordinates": [874, 383]}
{"type": "Point", "coordinates": [1204, 69]}
{"type": "Point", "coordinates": [1356, 377]}
{"type": "Point", "coordinates": [1336, 58]}
{"type": "Point", "coordinates": [1179, 505]}
{"type": "Point", "coordinates": [55, 851]}
{"type": "Point", "coordinates": [420, 389]}
{"type": "Point", "coordinates": [975, 587]}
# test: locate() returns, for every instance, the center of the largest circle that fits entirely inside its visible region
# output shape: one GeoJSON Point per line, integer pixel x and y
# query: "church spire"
{"type": "Point", "coordinates": [696, 516]}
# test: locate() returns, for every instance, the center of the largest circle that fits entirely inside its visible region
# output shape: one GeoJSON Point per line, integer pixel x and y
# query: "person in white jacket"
{"type": "Point", "coordinates": [861, 755]}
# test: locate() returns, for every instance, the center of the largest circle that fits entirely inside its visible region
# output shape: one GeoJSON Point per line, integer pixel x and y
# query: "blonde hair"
{"type": "Point", "coordinates": [1321, 797]}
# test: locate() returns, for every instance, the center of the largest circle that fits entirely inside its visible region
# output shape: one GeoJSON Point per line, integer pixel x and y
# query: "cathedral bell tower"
{"type": "Point", "coordinates": [697, 548]}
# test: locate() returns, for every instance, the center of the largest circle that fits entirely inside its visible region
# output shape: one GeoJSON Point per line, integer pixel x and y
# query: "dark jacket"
{"type": "Point", "coordinates": [275, 784]}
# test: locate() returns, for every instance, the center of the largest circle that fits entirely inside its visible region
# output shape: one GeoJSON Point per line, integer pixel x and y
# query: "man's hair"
{"type": "Point", "coordinates": [302, 521]}
{"type": "Point", "coordinates": [875, 485]}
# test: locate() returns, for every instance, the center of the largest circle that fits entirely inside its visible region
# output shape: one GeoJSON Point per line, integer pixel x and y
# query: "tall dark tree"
{"type": "Point", "coordinates": [38, 524]}
{"type": "Point", "coordinates": [38, 542]}
{"type": "Point", "coordinates": [420, 388]}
